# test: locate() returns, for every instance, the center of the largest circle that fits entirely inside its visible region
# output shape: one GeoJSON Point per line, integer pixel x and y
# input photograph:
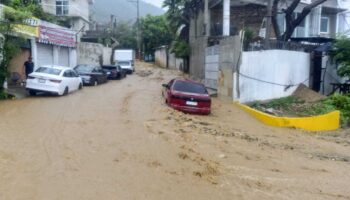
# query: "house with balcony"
{"type": "Point", "coordinates": [217, 53]}
{"type": "Point", "coordinates": [74, 12]}
{"type": "Point", "coordinates": [228, 17]}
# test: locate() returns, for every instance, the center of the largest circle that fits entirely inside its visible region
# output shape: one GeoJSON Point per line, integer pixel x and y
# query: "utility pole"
{"type": "Point", "coordinates": [138, 31]}
{"type": "Point", "coordinates": [268, 24]}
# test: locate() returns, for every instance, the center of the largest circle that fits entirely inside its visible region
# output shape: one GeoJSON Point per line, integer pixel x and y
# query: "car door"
{"type": "Point", "coordinates": [97, 75]}
{"type": "Point", "coordinates": [66, 80]}
{"type": "Point", "coordinates": [102, 74]}
{"type": "Point", "coordinates": [75, 80]}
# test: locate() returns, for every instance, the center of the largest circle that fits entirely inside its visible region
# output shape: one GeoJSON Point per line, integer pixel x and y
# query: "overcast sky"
{"type": "Point", "coordinates": [158, 3]}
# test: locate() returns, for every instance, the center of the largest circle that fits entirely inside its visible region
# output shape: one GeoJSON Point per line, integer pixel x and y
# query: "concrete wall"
{"type": "Point", "coordinates": [175, 63]}
{"type": "Point", "coordinates": [161, 57]}
{"type": "Point", "coordinates": [212, 66]}
{"type": "Point", "coordinates": [274, 66]}
{"type": "Point", "coordinates": [107, 53]}
{"type": "Point", "coordinates": [197, 58]}
{"type": "Point", "coordinates": [93, 53]}
{"type": "Point", "coordinates": [17, 63]}
{"type": "Point", "coordinates": [230, 48]}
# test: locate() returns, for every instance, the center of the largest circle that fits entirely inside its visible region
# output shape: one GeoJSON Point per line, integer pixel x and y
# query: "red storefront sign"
{"type": "Point", "coordinates": [57, 36]}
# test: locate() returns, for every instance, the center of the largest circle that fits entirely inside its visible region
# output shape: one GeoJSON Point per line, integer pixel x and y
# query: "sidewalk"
{"type": "Point", "coordinates": [18, 91]}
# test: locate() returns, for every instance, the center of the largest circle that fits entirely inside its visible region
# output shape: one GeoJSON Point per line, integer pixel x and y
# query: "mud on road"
{"type": "Point", "coordinates": [120, 141]}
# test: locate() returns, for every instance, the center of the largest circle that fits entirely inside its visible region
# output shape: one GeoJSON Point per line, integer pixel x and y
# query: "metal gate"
{"type": "Point", "coordinates": [212, 66]}
{"type": "Point", "coordinates": [63, 57]}
{"type": "Point", "coordinates": [45, 55]}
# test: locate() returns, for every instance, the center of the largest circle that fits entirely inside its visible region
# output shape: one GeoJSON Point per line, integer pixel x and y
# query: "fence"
{"type": "Point", "coordinates": [271, 74]}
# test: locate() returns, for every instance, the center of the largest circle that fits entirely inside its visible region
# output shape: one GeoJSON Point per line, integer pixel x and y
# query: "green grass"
{"type": "Point", "coordinates": [5, 96]}
{"type": "Point", "coordinates": [293, 106]}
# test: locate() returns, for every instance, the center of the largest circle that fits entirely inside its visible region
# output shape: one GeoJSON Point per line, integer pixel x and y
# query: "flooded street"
{"type": "Point", "coordinates": [120, 141]}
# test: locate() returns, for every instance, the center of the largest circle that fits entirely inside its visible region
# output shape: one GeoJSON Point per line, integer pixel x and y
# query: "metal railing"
{"type": "Point", "coordinates": [280, 45]}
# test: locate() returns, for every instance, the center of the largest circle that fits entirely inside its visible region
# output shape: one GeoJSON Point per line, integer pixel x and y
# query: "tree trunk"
{"type": "Point", "coordinates": [291, 22]}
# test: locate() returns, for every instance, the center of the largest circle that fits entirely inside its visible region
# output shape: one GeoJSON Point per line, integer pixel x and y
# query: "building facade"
{"type": "Point", "coordinates": [76, 12]}
{"type": "Point", "coordinates": [218, 48]}
{"type": "Point", "coordinates": [228, 17]}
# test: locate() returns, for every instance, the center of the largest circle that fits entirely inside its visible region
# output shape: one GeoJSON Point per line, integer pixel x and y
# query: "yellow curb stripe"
{"type": "Point", "coordinates": [327, 122]}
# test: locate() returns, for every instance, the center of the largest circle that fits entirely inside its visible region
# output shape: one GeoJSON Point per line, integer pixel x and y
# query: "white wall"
{"type": "Point", "coordinates": [91, 53]}
{"type": "Point", "coordinates": [275, 66]}
{"type": "Point", "coordinates": [175, 63]}
{"type": "Point", "coordinates": [160, 57]}
{"type": "Point", "coordinates": [107, 53]}
{"type": "Point", "coordinates": [212, 66]}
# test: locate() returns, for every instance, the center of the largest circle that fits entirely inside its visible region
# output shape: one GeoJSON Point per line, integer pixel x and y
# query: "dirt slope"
{"type": "Point", "coordinates": [119, 141]}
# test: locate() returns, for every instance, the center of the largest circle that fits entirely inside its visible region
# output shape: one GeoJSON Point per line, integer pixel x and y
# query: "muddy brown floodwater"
{"type": "Point", "coordinates": [119, 141]}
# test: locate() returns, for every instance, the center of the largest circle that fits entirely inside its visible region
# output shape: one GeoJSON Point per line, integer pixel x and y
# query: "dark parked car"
{"type": "Point", "coordinates": [114, 71]}
{"type": "Point", "coordinates": [91, 74]}
{"type": "Point", "coordinates": [187, 96]}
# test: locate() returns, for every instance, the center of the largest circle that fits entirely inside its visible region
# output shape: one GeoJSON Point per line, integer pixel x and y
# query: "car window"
{"type": "Point", "coordinates": [67, 74]}
{"type": "Point", "coordinates": [184, 86]}
{"type": "Point", "coordinates": [109, 67]}
{"type": "Point", "coordinates": [123, 63]}
{"type": "Point", "coordinates": [96, 69]}
{"type": "Point", "coordinates": [170, 83]}
{"type": "Point", "coordinates": [72, 73]}
{"type": "Point", "coordinates": [47, 70]}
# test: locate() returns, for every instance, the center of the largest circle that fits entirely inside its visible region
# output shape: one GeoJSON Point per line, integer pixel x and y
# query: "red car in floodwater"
{"type": "Point", "coordinates": [187, 96]}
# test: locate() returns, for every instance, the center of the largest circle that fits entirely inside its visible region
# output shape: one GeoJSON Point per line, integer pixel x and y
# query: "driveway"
{"type": "Point", "coordinates": [120, 141]}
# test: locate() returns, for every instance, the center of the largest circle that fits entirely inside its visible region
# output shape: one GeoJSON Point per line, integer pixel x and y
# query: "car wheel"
{"type": "Point", "coordinates": [32, 92]}
{"type": "Point", "coordinates": [66, 90]}
{"type": "Point", "coordinates": [80, 86]}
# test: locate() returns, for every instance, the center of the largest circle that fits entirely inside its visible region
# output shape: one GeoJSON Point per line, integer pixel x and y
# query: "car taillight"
{"type": "Point", "coordinates": [55, 81]}
{"type": "Point", "coordinates": [31, 77]}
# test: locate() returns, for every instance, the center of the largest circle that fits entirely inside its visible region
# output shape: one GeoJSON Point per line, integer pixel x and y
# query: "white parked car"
{"type": "Point", "coordinates": [53, 79]}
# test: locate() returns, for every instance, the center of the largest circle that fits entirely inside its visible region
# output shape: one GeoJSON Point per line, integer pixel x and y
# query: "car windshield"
{"type": "Point", "coordinates": [47, 70]}
{"type": "Point", "coordinates": [123, 63]}
{"type": "Point", "coordinates": [109, 67]}
{"type": "Point", "coordinates": [184, 86]}
{"type": "Point", "coordinates": [84, 68]}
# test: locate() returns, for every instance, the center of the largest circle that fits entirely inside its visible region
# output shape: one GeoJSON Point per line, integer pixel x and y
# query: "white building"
{"type": "Point", "coordinates": [75, 11]}
{"type": "Point", "coordinates": [344, 18]}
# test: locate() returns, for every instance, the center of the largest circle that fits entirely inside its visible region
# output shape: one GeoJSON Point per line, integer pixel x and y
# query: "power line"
{"type": "Point", "coordinates": [272, 83]}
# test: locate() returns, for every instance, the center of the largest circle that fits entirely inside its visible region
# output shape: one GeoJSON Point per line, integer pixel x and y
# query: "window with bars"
{"type": "Point", "coordinates": [62, 7]}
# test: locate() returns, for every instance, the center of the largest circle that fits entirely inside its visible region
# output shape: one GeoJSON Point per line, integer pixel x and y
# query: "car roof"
{"type": "Point", "coordinates": [188, 81]}
{"type": "Point", "coordinates": [56, 67]}
{"type": "Point", "coordinates": [88, 65]}
{"type": "Point", "coordinates": [109, 65]}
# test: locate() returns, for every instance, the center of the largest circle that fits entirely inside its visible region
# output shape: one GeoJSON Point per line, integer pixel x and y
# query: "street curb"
{"type": "Point", "coordinates": [327, 122]}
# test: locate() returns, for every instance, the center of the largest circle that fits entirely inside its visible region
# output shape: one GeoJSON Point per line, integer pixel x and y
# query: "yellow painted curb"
{"type": "Point", "coordinates": [327, 122]}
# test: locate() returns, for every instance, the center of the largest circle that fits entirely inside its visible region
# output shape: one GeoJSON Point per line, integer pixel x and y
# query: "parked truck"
{"type": "Point", "coordinates": [126, 59]}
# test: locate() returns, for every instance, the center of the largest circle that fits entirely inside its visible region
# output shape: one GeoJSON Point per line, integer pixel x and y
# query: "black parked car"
{"type": "Point", "coordinates": [114, 71]}
{"type": "Point", "coordinates": [91, 74]}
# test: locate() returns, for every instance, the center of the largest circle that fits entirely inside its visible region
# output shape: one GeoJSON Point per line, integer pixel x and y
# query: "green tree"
{"type": "Point", "coordinates": [179, 14]}
{"type": "Point", "coordinates": [292, 22]}
{"type": "Point", "coordinates": [125, 34]}
{"type": "Point", "coordinates": [155, 32]}
{"type": "Point", "coordinates": [10, 46]}
{"type": "Point", "coordinates": [342, 55]}
{"type": "Point", "coordinates": [34, 8]}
